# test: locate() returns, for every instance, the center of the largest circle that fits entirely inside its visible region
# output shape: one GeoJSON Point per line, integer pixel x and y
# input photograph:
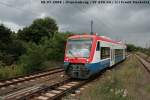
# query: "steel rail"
{"type": "Point", "coordinates": [144, 62]}
{"type": "Point", "coordinates": [29, 77]}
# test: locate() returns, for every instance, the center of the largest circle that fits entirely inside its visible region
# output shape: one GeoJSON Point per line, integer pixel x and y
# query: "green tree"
{"type": "Point", "coordinates": [10, 48]}
{"type": "Point", "coordinates": [5, 40]}
{"type": "Point", "coordinates": [46, 50]}
{"type": "Point", "coordinates": [40, 28]}
{"type": "Point", "coordinates": [33, 60]}
{"type": "Point", "coordinates": [131, 48]}
{"type": "Point", "coordinates": [5, 35]}
{"type": "Point", "coordinates": [57, 47]}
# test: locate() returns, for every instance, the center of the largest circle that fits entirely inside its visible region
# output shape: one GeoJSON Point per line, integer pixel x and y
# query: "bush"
{"type": "Point", "coordinates": [34, 58]}
{"type": "Point", "coordinates": [57, 47]}
{"type": "Point", "coordinates": [30, 57]}
{"type": "Point", "coordinates": [37, 54]}
{"type": "Point", "coordinates": [12, 52]}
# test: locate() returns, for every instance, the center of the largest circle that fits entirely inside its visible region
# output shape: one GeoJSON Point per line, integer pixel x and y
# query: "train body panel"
{"type": "Point", "coordinates": [96, 67]}
{"type": "Point", "coordinates": [86, 55]}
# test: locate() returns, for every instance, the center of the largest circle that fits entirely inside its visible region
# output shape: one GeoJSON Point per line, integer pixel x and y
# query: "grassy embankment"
{"type": "Point", "coordinates": [127, 82]}
{"type": "Point", "coordinates": [16, 70]}
{"type": "Point", "coordinates": [10, 71]}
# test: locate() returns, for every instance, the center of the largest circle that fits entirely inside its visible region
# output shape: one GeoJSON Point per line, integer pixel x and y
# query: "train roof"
{"type": "Point", "coordinates": [94, 36]}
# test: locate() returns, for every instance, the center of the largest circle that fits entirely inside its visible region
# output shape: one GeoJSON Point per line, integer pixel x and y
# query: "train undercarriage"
{"type": "Point", "coordinates": [79, 71]}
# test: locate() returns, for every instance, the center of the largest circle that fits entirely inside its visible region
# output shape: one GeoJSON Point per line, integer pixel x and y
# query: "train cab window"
{"type": "Point", "coordinates": [98, 46]}
{"type": "Point", "coordinates": [105, 52]}
{"type": "Point", "coordinates": [79, 47]}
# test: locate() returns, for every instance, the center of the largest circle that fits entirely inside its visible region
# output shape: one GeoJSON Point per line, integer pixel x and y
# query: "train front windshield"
{"type": "Point", "coordinates": [78, 48]}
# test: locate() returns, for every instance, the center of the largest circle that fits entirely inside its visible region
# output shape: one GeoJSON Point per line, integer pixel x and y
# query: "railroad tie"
{"type": "Point", "coordinates": [74, 82]}
{"type": "Point", "coordinates": [61, 88]}
{"type": "Point", "coordinates": [32, 76]}
{"type": "Point", "coordinates": [19, 83]}
{"type": "Point", "coordinates": [15, 80]}
{"type": "Point", "coordinates": [3, 88]}
{"type": "Point", "coordinates": [26, 77]}
{"type": "Point", "coordinates": [20, 78]}
{"type": "Point", "coordinates": [8, 82]}
{"type": "Point", "coordinates": [71, 84]}
{"type": "Point", "coordinates": [1, 83]}
{"type": "Point", "coordinates": [12, 85]}
{"type": "Point", "coordinates": [66, 86]}
{"type": "Point", "coordinates": [32, 80]}
{"type": "Point", "coordinates": [42, 98]}
{"type": "Point", "coordinates": [49, 94]}
{"type": "Point", "coordinates": [42, 77]}
{"type": "Point", "coordinates": [55, 91]}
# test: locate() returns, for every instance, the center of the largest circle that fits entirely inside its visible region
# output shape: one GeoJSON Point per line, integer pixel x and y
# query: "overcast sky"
{"type": "Point", "coordinates": [126, 22]}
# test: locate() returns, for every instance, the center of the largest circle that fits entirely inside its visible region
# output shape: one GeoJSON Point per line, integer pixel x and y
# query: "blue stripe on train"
{"type": "Point", "coordinates": [96, 67]}
{"type": "Point", "coordinates": [118, 58]}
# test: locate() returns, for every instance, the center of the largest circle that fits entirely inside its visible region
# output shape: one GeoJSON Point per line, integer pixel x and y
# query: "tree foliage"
{"type": "Point", "coordinates": [40, 28]}
{"type": "Point", "coordinates": [47, 50]}
{"type": "Point", "coordinates": [33, 46]}
{"type": "Point", "coordinates": [5, 34]}
{"type": "Point", "coordinates": [10, 48]}
{"type": "Point", "coordinates": [33, 59]}
{"type": "Point", "coordinates": [133, 48]}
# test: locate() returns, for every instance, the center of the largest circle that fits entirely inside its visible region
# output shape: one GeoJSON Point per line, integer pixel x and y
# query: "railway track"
{"type": "Point", "coordinates": [145, 63]}
{"type": "Point", "coordinates": [32, 92]}
{"type": "Point", "coordinates": [60, 91]}
{"type": "Point", "coordinates": [48, 91]}
{"type": "Point", "coordinates": [14, 81]}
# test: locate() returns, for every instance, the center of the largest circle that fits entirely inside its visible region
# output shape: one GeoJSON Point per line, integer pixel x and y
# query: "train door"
{"type": "Point", "coordinates": [112, 58]}
{"type": "Point", "coordinates": [96, 55]}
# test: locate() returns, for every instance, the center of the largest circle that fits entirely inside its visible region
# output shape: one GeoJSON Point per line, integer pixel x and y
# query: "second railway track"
{"type": "Point", "coordinates": [13, 81]}
{"type": "Point", "coordinates": [145, 63]}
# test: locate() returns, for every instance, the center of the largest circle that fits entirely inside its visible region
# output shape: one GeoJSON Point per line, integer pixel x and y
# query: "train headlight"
{"type": "Point", "coordinates": [66, 59]}
{"type": "Point", "coordinates": [87, 60]}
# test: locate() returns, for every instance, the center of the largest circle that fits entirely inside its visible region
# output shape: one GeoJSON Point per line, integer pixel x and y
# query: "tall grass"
{"type": "Point", "coordinates": [129, 82]}
{"type": "Point", "coordinates": [11, 71]}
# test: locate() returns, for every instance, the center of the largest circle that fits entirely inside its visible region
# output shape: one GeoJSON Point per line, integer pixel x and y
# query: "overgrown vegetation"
{"type": "Point", "coordinates": [129, 82]}
{"type": "Point", "coordinates": [133, 48]}
{"type": "Point", "coordinates": [47, 50]}
{"type": "Point", "coordinates": [31, 48]}
{"type": "Point", "coordinates": [11, 71]}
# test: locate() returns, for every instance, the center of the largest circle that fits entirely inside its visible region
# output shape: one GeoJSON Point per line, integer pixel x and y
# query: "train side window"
{"type": "Point", "coordinates": [118, 52]}
{"type": "Point", "coordinates": [105, 52]}
{"type": "Point", "coordinates": [98, 46]}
